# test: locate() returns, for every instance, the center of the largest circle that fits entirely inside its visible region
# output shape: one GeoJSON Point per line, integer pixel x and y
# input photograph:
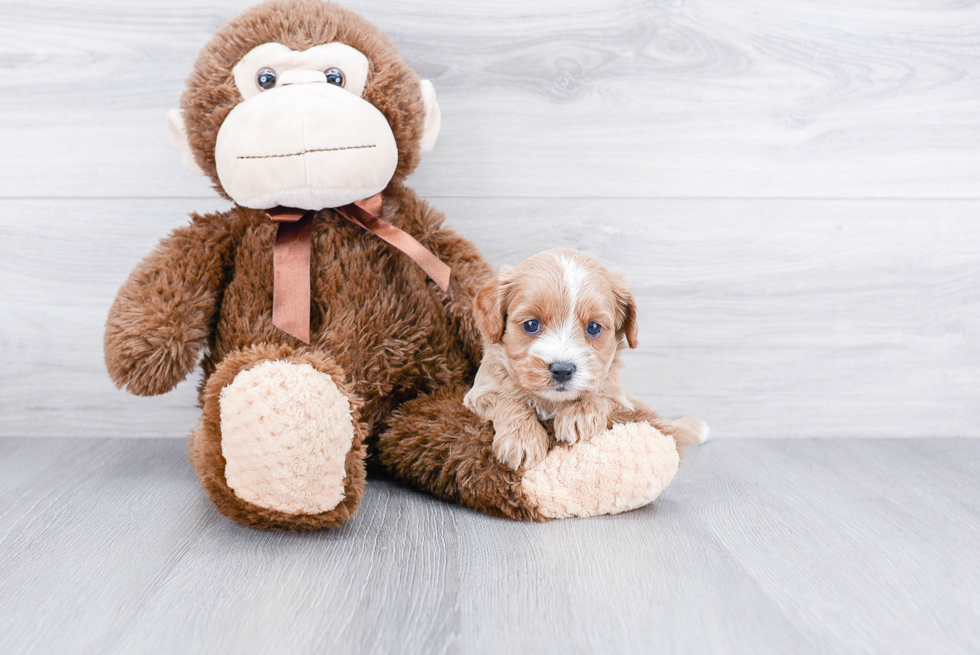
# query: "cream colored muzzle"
{"type": "Point", "coordinates": [305, 144]}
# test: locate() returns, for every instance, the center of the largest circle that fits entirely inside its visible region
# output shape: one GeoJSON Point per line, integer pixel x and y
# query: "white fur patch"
{"type": "Point", "coordinates": [286, 430]}
{"type": "Point", "coordinates": [565, 342]}
{"type": "Point", "coordinates": [621, 469]}
{"type": "Point", "coordinates": [574, 277]}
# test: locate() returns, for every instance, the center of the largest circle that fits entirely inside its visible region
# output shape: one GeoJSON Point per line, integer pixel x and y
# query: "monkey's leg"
{"type": "Point", "coordinates": [280, 445]}
{"type": "Point", "coordinates": [437, 445]}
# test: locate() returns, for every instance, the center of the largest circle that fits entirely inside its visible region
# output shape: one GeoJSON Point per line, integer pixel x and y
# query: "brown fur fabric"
{"type": "Point", "coordinates": [438, 445]}
{"type": "Point", "coordinates": [377, 321]}
{"type": "Point", "coordinates": [164, 315]}
{"type": "Point", "coordinates": [388, 330]}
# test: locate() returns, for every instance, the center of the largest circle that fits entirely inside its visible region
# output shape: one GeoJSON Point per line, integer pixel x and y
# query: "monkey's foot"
{"type": "Point", "coordinates": [620, 469]}
{"type": "Point", "coordinates": [285, 432]}
{"type": "Point", "coordinates": [288, 441]}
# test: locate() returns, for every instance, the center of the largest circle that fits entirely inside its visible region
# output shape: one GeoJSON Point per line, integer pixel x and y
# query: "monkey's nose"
{"type": "Point", "coordinates": [300, 76]}
{"type": "Point", "coordinates": [562, 371]}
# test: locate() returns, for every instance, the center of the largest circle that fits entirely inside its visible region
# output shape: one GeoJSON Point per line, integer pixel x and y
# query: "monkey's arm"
{"type": "Point", "coordinates": [164, 313]}
{"type": "Point", "coordinates": [469, 269]}
{"type": "Point", "coordinates": [469, 272]}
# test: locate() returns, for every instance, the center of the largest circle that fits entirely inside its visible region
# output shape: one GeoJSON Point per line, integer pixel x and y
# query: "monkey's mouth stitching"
{"type": "Point", "coordinates": [296, 154]}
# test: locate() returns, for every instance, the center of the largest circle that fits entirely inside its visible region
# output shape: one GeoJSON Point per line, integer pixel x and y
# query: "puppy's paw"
{"type": "Point", "coordinates": [580, 422]}
{"type": "Point", "coordinates": [515, 444]}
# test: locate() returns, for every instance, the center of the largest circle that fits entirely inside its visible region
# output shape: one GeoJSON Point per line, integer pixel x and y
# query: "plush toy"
{"type": "Point", "coordinates": [332, 307]}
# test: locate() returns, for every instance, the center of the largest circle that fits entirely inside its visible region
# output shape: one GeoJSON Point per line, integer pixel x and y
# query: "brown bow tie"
{"type": "Point", "coordinates": [291, 259]}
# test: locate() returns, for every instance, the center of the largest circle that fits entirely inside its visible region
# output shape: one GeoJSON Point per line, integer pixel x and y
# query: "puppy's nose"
{"type": "Point", "coordinates": [562, 371]}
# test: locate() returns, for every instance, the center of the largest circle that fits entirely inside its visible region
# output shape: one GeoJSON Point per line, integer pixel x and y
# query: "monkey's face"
{"type": "Point", "coordinates": [303, 136]}
{"type": "Point", "coordinates": [327, 117]}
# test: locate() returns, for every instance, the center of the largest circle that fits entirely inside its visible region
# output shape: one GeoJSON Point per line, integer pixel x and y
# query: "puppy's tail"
{"type": "Point", "coordinates": [688, 431]}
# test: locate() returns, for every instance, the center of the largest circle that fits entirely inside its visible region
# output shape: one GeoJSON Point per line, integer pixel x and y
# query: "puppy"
{"type": "Point", "coordinates": [553, 328]}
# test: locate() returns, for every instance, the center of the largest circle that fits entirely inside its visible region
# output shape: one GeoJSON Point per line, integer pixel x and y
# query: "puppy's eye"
{"type": "Point", "coordinates": [593, 329]}
{"type": "Point", "coordinates": [532, 326]}
{"type": "Point", "coordinates": [265, 79]}
{"type": "Point", "coordinates": [335, 76]}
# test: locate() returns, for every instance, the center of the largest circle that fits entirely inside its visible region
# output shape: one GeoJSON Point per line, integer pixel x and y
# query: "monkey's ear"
{"type": "Point", "coordinates": [178, 138]}
{"type": "Point", "coordinates": [433, 117]}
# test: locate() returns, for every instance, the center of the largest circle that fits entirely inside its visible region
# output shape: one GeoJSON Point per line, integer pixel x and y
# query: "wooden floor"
{"type": "Point", "coordinates": [760, 546]}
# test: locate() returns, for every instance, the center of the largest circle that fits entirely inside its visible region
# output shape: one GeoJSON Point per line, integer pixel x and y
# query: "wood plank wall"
{"type": "Point", "coordinates": [792, 188]}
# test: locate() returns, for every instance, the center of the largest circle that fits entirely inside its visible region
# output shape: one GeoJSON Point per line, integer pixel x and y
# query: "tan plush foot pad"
{"type": "Point", "coordinates": [286, 430]}
{"type": "Point", "coordinates": [621, 469]}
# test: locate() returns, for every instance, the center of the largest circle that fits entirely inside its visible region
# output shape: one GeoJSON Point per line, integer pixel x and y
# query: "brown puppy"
{"type": "Point", "coordinates": [553, 328]}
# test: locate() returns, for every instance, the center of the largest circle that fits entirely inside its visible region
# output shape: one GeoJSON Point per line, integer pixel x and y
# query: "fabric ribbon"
{"type": "Point", "coordinates": [291, 258]}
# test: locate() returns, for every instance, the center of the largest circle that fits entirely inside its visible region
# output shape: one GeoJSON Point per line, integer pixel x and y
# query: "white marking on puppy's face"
{"type": "Point", "coordinates": [574, 277]}
{"type": "Point", "coordinates": [563, 344]}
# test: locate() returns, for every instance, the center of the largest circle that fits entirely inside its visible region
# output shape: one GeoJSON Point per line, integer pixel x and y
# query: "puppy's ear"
{"type": "Point", "coordinates": [490, 307]}
{"type": "Point", "coordinates": [625, 310]}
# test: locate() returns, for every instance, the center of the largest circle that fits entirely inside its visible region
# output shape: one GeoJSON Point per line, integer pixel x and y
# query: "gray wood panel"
{"type": "Point", "coordinates": [766, 318]}
{"type": "Point", "coordinates": [619, 98]}
{"type": "Point", "coordinates": [849, 546]}
{"type": "Point", "coordinates": [816, 317]}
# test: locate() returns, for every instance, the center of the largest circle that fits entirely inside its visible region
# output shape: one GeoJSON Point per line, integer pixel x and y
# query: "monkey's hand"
{"type": "Point", "coordinates": [581, 420]}
{"type": "Point", "coordinates": [164, 313]}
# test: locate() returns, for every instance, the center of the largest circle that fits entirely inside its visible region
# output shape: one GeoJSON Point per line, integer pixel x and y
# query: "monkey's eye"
{"type": "Point", "coordinates": [532, 326]}
{"type": "Point", "coordinates": [335, 76]}
{"type": "Point", "coordinates": [265, 78]}
{"type": "Point", "coordinates": [593, 329]}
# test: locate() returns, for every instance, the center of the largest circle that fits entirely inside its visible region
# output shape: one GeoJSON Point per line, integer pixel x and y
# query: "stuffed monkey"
{"type": "Point", "coordinates": [330, 307]}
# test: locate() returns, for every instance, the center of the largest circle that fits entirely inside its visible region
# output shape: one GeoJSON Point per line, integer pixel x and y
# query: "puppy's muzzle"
{"type": "Point", "coordinates": [562, 372]}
